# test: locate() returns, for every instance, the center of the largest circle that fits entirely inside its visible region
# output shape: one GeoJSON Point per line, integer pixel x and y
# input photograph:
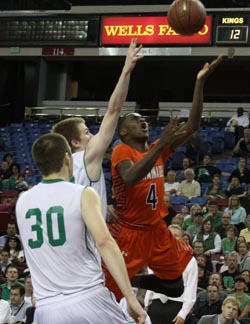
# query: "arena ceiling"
{"type": "Point", "coordinates": [67, 4]}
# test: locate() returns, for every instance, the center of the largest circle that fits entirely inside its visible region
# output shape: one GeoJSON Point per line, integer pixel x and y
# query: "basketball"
{"type": "Point", "coordinates": [187, 17]}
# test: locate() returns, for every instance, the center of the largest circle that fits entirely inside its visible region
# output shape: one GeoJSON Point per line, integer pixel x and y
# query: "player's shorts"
{"type": "Point", "coordinates": [97, 307]}
{"type": "Point", "coordinates": [148, 245]}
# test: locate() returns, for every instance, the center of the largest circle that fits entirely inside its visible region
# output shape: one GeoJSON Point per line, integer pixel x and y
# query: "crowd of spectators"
{"type": "Point", "coordinates": [218, 230]}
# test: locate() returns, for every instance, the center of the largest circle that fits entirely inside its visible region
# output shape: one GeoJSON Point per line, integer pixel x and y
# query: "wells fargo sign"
{"type": "Point", "coordinates": [149, 30]}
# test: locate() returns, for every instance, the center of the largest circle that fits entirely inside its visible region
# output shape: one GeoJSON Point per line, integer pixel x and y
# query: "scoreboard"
{"type": "Point", "coordinates": [232, 30]}
{"type": "Point", "coordinates": [153, 30]}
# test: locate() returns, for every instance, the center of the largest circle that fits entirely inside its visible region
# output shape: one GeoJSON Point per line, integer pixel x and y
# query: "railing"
{"type": "Point", "coordinates": [96, 110]}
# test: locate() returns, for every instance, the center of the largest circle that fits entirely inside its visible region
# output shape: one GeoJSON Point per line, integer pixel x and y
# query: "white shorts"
{"type": "Point", "coordinates": [97, 307]}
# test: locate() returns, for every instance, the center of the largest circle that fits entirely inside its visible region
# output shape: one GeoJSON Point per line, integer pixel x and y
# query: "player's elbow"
{"type": "Point", "coordinates": [104, 242]}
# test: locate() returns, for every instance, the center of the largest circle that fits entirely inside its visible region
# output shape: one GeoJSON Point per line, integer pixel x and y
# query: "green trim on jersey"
{"type": "Point", "coordinates": [52, 180]}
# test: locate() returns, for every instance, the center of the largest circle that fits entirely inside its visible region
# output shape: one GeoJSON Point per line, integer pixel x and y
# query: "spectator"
{"type": "Point", "coordinates": [228, 244]}
{"type": "Point", "coordinates": [245, 232]}
{"type": "Point", "coordinates": [213, 213]}
{"type": "Point", "coordinates": [238, 213]}
{"type": "Point", "coordinates": [189, 187]}
{"type": "Point", "coordinates": [28, 172]}
{"type": "Point", "coordinates": [4, 176]}
{"type": "Point", "coordinates": [21, 184]}
{"type": "Point", "coordinates": [195, 148]}
{"type": "Point", "coordinates": [10, 232]}
{"type": "Point", "coordinates": [17, 304]}
{"type": "Point", "coordinates": [190, 220]}
{"type": "Point", "coordinates": [8, 157]}
{"type": "Point", "coordinates": [242, 148]}
{"type": "Point", "coordinates": [198, 247]}
{"type": "Point", "coordinates": [28, 288]}
{"type": "Point", "coordinates": [246, 275]}
{"type": "Point", "coordinates": [243, 256]}
{"type": "Point", "coordinates": [187, 238]}
{"type": "Point", "coordinates": [240, 239]}
{"type": "Point", "coordinates": [226, 220]}
{"type": "Point", "coordinates": [15, 170]}
{"type": "Point", "coordinates": [235, 188]}
{"type": "Point", "coordinates": [195, 228]}
{"type": "Point", "coordinates": [214, 279]}
{"type": "Point", "coordinates": [180, 218]}
{"type": "Point", "coordinates": [5, 311]}
{"type": "Point", "coordinates": [205, 261]}
{"type": "Point", "coordinates": [230, 308]}
{"type": "Point", "coordinates": [180, 173]}
{"type": "Point", "coordinates": [233, 271]}
{"type": "Point", "coordinates": [211, 239]}
{"type": "Point", "coordinates": [170, 185]}
{"type": "Point", "coordinates": [215, 190]}
{"type": "Point", "coordinates": [185, 212]}
{"type": "Point", "coordinates": [241, 296]}
{"type": "Point", "coordinates": [30, 312]}
{"type": "Point", "coordinates": [5, 260]}
{"type": "Point", "coordinates": [14, 246]}
{"type": "Point", "coordinates": [206, 171]}
{"type": "Point", "coordinates": [171, 210]}
{"type": "Point", "coordinates": [11, 274]}
{"type": "Point", "coordinates": [245, 200]}
{"type": "Point", "coordinates": [203, 278]}
{"type": "Point", "coordinates": [239, 122]}
{"type": "Point", "coordinates": [212, 305]}
{"type": "Point", "coordinates": [4, 171]}
{"type": "Point", "coordinates": [242, 172]}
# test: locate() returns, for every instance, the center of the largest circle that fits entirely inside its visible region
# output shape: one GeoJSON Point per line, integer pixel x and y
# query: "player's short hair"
{"type": "Point", "coordinates": [48, 152]}
{"type": "Point", "coordinates": [120, 124]}
{"type": "Point", "coordinates": [69, 128]}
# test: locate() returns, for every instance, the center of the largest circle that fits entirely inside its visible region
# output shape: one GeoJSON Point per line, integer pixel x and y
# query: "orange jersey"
{"type": "Point", "coordinates": [142, 203]}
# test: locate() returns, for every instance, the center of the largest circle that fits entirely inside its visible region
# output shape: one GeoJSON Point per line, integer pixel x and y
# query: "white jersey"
{"type": "Point", "coordinates": [81, 177]}
{"type": "Point", "coordinates": [60, 251]}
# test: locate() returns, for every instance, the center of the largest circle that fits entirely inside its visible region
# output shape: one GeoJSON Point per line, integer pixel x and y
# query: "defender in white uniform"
{"type": "Point", "coordinates": [60, 223]}
{"type": "Point", "coordinates": [88, 165]}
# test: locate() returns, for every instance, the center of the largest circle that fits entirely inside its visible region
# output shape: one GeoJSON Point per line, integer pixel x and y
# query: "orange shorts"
{"type": "Point", "coordinates": [152, 246]}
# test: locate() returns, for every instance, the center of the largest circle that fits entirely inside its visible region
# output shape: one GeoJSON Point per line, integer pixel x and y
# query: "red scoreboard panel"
{"type": "Point", "coordinates": [150, 30]}
{"type": "Point", "coordinates": [232, 29]}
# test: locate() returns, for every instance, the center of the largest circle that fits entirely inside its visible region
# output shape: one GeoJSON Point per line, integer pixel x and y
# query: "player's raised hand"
{"type": "Point", "coordinates": [208, 68]}
{"type": "Point", "coordinates": [132, 55]}
{"type": "Point", "coordinates": [172, 132]}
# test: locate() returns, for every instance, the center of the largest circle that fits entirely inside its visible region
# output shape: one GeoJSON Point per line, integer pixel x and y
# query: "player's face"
{"type": "Point", "coordinates": [136, 126]}
{"type": "Point", "coordinates": [229, 311]}
{"type": "Point", "coordinates": [85, 136]}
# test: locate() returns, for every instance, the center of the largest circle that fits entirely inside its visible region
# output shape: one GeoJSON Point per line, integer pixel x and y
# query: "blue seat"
{"type": "Point", "coordinates": [178, 202]}
{"type": "Point", "coordinates": [198, 201]}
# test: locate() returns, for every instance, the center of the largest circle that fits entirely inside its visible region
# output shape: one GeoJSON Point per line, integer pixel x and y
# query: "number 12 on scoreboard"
{"type": "Point", "coordinates": [232, 34]}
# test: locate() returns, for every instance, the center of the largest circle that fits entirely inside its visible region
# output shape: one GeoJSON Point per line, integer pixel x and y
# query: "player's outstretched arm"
{"type": "Point", "coordinates": [101, 141]}
{"type": "Point", "coordinates": [194, 119]}
{"type": "Point", "coordinates": [109, 250]}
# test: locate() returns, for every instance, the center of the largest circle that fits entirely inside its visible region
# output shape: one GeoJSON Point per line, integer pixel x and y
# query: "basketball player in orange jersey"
{"type": "Point", "coordinates": [138, 180]}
